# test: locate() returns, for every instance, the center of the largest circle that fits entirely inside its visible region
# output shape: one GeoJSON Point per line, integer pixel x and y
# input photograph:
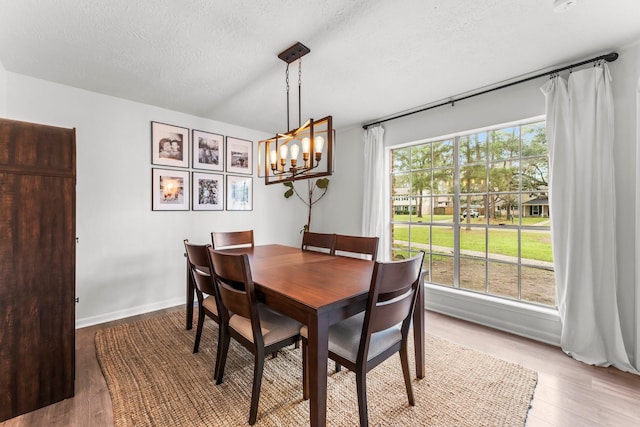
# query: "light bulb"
{"type": "Point", "coordinates": [295, 149]}
{"type": "Point", "coordinates": [283, 152]}
{"type": "Point", "coordinates": [318, 143]}
{"type": "Point", "coordinates": [305, 145]}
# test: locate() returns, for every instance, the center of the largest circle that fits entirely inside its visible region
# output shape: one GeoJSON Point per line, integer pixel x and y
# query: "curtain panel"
{"type": "Point", "coordinates": [582, 202]}
{"type": "Point", "coordinates": [373, 198]}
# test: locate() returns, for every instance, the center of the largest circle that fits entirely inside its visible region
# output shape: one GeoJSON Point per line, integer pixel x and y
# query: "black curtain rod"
{"type": "Point", "coordinates": [609, 57]}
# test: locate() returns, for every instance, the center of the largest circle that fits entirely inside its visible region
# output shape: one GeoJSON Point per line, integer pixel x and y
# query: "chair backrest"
{"type": "Point", "coordinates": [392, 297]}
{"type": "Point", "coordinates": [234, 284]}
{"type": "Point", "coordinates": [199, 267]}
{"type": "Point", "coordinates": [225, 239]}
{"type": "Point", "coordinates": [318, 241]}
{"type": "Point", "coordinates": [356, 245]}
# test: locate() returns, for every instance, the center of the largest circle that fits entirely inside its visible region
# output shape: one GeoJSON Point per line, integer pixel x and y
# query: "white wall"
{"type": "Point", "coordinates": [129, 258]}
{"type": "Point", "coordinates": [340, 211]}
{"type": "Point", "coordinates": [625, 72]}
{"type": "Point", "coordinates": [506, 105]}
{"type": "Point", "coordinates": [3, 91]}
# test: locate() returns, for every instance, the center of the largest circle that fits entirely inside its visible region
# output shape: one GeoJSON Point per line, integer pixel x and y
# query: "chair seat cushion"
{"type": "Point", "coordinates": [210, 304]}
{"type": "Point", "coordinates": [275, 326]}
{"type": "Point", "coordinates": [344, 338]}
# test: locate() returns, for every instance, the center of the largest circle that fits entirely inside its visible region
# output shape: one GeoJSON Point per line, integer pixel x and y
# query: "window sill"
{"type": "Point", "coordinates": [531, 321]}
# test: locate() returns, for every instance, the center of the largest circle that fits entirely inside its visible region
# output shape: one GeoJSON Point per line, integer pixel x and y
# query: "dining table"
{"type": "Point", "coordinates": [318, 290]}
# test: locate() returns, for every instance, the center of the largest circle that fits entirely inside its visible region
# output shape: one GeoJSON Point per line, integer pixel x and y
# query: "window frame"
{"type": "Point", "coordinates": [458, 223]}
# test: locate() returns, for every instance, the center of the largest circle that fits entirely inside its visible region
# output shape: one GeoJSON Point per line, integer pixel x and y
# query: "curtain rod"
{"type": "Point", "coordinates": [609, 57]}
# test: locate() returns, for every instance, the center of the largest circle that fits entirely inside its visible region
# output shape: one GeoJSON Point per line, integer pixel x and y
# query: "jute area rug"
{"type": "Point", "coordinates": [155, 380]}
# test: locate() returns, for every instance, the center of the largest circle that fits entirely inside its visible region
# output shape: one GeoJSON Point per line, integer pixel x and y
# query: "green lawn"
{"type": "Point", "coordinates": [536, 245]}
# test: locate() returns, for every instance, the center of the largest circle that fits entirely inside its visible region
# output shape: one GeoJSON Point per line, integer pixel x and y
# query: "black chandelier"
{"type": "Point", "coordinates": [279, 155]}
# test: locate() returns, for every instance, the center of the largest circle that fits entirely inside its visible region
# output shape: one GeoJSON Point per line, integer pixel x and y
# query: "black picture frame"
{"type": "Point", "coordinates": [169, 145]}
{"type": "Point", "coordinates": [239, 193]}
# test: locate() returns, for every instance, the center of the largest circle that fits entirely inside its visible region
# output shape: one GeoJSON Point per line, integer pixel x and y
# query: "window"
{"type": "Point", "coordinates": [477, 204]}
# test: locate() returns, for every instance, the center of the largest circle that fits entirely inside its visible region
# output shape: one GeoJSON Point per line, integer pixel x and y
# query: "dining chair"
{"type": "Point", "coordinates": [200, 271]}
{"type": "Point", "coordinates": [354, 245]}
{"type": "Point", "coordinates": [350, 245]}
{"type": "Point", "coordinates": [253, 325]}
{"type": "Point", "coordinates": [365, 340]}
{"type": "Point", "coordinates": [225, 239]}
{"type": "Point", "coordinates": [315, 241]}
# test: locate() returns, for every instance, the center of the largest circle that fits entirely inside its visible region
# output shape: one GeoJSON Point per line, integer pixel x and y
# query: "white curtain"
{"type": "Point", "coordinates": [582, 202]}
{"type": "Point", "coordinates": [373, 200]}
{"type": "Point", "coordinates": [637, 352]}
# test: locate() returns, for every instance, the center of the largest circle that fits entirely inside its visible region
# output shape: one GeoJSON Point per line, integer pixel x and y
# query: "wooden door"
{"type": "Point", "coordinates": [37, 266]}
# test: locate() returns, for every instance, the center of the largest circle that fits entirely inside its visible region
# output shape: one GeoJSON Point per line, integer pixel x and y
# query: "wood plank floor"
{"type": "Point", "coordinates": [569, 393]}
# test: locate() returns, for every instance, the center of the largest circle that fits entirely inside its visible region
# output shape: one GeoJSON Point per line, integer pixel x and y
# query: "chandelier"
{"type": "Point", "coordinates": [279, 157]}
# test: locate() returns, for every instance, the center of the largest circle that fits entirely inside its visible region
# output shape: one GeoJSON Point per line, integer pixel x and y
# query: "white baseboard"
{"type": "Point", "coordinates": [527, 320]}
{"type": "Point", "coordinates": [133, 311]}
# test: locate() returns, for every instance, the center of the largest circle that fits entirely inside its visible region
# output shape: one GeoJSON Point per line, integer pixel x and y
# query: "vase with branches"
{"type": "Point", "coordinates": [317, 188]}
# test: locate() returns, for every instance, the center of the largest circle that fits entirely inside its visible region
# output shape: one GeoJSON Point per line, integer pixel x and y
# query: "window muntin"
{"type": "Point", "coordinates": [477, 204]}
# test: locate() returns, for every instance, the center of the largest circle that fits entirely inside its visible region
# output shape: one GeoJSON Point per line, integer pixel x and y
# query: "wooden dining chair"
{"type": "Point", "coordinates": [318, 241]}
{"type": "Point", "coordinates": [351, 245]}
{"type": "Point", "coordinates": [365, 340]}
{"type": "Point", "coordinates": [226, 239]}
{"type": "Point", "coordinates": [200, 271]}
{"type": "Point", "coordinates": [255, 326]}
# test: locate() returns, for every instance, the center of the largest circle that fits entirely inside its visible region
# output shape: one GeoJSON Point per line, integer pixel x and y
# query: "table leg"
{"type": "Point", "coordinates": [190, 295]}
{"type": "Point", "coordinates": [418, 330]}
{"type": "Point", "coordinates": [318, 353]}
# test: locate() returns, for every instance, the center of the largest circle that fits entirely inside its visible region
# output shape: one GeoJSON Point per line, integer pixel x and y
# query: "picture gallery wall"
{"type": "Point", "coordinates": [199, 170]}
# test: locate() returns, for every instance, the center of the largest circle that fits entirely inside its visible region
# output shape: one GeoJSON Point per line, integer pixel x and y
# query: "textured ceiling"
{"type": "Point", "coordinates": [369, 58]}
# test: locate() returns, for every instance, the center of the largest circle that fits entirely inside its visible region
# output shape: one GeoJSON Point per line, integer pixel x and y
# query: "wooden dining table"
{"type": "Point", "coordinates": [318, 290]}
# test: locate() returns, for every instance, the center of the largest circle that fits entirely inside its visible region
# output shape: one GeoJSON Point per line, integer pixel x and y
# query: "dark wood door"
{"type": "Point", "coordinates": [37, 266]}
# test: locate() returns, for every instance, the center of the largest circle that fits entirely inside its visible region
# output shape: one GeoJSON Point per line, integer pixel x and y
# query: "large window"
{"type": "Point", "coordinates": [477, 204]}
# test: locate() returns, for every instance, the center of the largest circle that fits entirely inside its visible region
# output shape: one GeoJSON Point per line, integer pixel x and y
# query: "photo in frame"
{"type": "Point", "coordinates": [170, 190]}
{"type": "Point", "coordinates": [239, 193]}
{"type": "Point", "coordinates": [208, 150]}
{"type": "Point", "coordinates": [239, 156]}
{"type": "Point", "coordinates": [208, 192]}
{"type": "Point", "coordinates": [169, 145]}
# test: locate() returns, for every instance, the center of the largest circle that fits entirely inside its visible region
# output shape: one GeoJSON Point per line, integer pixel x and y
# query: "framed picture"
{"type": "Point", "coordinates": [207, 149]}
{"type": "Point", "coordinates": [169, 145]}
{"type": "Point", "coordinates": [239, 156]}
{"type": "Point", "coordinates": [208, 192]}
{"type": "Point", "coordinates": [170, 190]}
{"type": "Point", "coordinates": [239, 193]}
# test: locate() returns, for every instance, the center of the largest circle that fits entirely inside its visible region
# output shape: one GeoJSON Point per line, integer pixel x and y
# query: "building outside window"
{"type": "Point", "coordinates": [477, 204]}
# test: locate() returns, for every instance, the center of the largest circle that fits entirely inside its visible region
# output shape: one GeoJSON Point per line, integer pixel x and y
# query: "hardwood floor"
{"type": "Point", "coordinates": [569, 393]}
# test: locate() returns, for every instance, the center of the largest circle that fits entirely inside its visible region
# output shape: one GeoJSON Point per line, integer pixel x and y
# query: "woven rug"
{"type": "Point", "coordinates": [155, 380]}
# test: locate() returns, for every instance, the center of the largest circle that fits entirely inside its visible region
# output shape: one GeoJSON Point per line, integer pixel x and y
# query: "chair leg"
{"type": "Point", "coordinates": [305, 371]}
{"type": "Point", "coordinates": [201, 315]}
{"type": "Point", "coordinates": [361, 386]}
{"type": "Point", "coordinates": [218, 353]}
{"type": "Point", "coordinates": [221, 360]}
{"type": "Point", "coordinates": [257, 381]}
{"type": "Point", "coordinates": [404, 359]}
